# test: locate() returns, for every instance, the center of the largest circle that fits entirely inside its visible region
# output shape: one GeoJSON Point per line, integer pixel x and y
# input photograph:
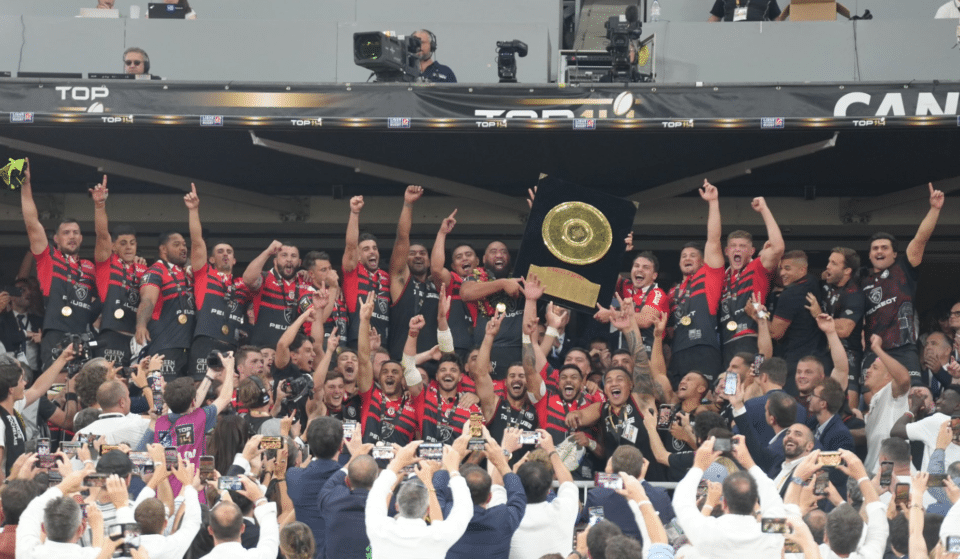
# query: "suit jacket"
{"type": "Point", "coordinates": [251, 534]}
{"type": "Point", "coordinates": [303, 487]}
{"type": "Point", "coordinates": [835, 435]}
{"type": "Point", "coordinates": [769, 456]}
{"type": "Point", "coordinates": [756, 410]}
{"type": "Point", "coordinates": [343, 512]}
{"type": "Point", "coordinates": [11, 334]}
{"type": "Point", "coordinates": [489, 532]}
{"type": "Point", "coordinates": [615, 508]}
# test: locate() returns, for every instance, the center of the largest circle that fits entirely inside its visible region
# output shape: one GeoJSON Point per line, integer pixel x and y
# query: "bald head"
{"type": "Point", "coordinates": [362, 472]}
{"type": "Point", "coordinates": [113, 396]}
{"type": "Point", "coordinates": [226, 523]}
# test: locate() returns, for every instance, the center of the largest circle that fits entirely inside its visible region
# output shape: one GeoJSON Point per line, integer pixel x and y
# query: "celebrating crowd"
{"type": "Point", "coordinates": [173, 409]}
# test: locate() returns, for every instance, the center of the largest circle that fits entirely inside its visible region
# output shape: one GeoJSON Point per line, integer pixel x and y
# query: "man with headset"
{"type": "Point", "coordinates": [136, 61]}
{"type": "Point", "coordinates": [430, 69]}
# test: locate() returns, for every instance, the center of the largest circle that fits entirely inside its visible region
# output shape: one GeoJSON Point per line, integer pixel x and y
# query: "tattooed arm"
{"type": "Point", "coordinates": [624, 321]}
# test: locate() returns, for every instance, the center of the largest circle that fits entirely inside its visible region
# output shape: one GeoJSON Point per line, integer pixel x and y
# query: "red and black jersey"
{"type": "Point", "coordinates": [694, 304]}
{"type": "Point", "coordinates": [339, 318]}
{"type": "Point", "coordinates": [275, 307]}
{"type": "Point", "coordinates": [118, 284]}
{"type": "Point", "coordinates": [441, 420]}
{"type": "Point", "coordinates": [389, 421]}
{"type": "Point", "coordinates": [738, 289]}
{"type": "Point", "coordinates": [167, 329]}
{"type": "Point", "coordinates": [890, 313]}
{"type": "Point", "coordinates": [462, 316]}
{"type": "Point", "coordinates": [221, 301]}
{"type": "Point", "coordinates": [651, 296]}
{"type": "Point", "coordinates": [552, 410]}
{"type": "Point", "coordinates": [417, 297]}
{"type": "Point", "coordinates": [69, 287]}
{"type": "Point", "coordinates": [357, 284]}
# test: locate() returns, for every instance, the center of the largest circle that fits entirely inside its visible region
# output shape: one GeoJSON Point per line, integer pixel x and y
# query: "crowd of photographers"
{"type": "Point", "coordinates": [171, 409]}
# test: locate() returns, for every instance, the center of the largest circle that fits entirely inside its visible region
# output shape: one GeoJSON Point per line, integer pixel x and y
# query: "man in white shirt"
{"type": "Point", "coordinates": [797, 445]}
{"type": "Point", "coordinates": [949, 10]}
{"type": "Point", "coordinates": [736, 534]}
{"type": "Point", "coordinates": [152, 518]}
{"type": "Point", "coordinates": [407, 536]}
{"type": "Point", "coordinates": [546, 527]}
{"type": "Point", "coordinates": [888, 381]}
{"type": "Point", "coordinates": [116, 424]}
{"type": "Point", "coordinates": [226, 525]}
{"type": "Point", "coordinates": [928, 428]}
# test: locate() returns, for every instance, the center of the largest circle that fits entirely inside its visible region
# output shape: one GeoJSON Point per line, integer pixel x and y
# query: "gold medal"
{"type": "Point", "coordinates": [732, 325]}
{"type": "Point", "coordinates": [118, 314]}
{"type": "Point", "coordinates": [501, 308]}
{"type": "Point", "coordinates": [182, 319]}
{"type": "Point", "coordinates": [686, 320]}
{"type": "Point", "coordinates": [225, 329]}
{"type": "Point", "coordinates": [66, 310]}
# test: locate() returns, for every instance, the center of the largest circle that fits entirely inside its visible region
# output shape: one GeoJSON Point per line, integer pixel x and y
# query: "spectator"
{"type": "Point", "coordinates": [937, 354]}
{"type": "Point", "coordinates": [430, 69]}
{"type": "Point", "coordinates": [810, 369]}
{"type": "Point", "coordinates": [296, 541]}
{"type": "Point", "coordinates": [226, 525]}
{"type": "Point", "coordinates": [20, 328]}
{"type": "Point", "coordinates": [343, 501]}
{"type": "Point", "coordinates": [792, 322]}
{"type": "Point", "coordinates": [325, 437]}
{"type": "Point", "coordinates": [597, 537]}
{"type": "Point", "coordinates": [116, 423]}
{"type": "Point", "coordinates": [887, 382]}
{"type": "Point", "coordinates": [780, 412]}
{"type": "Point", "coordinates": [407, 536]}
{"type": "Point", "coordinates": [897, 450]}
{"type": "Point", "coordinates": [913, 427]}
{"type": "Point", "coordinates": [831, 433]}
{"type": "Point", "coordinates": [16, 496]}
{"type": "Point", "coordinates": [150, 514]}
{"type": "Point", "coordinates": [136, 61]}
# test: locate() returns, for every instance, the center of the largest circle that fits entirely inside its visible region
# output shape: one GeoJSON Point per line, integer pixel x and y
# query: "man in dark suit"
{"type": "Point", "coordinates": [830, 431]}
{"type": "Point", "coordinates": [772, 376]}
{"type": "Point", "coordinates": [19, 328]}
{"type": "Point", "coordinates": [780, 412]}
{"type": "Point", "coordinates": [489, 533]}
{"type": "Point", "coordinates": [325, 437]}
{"type": "Point", "coordinates": [342, 502]}
{"type": "Point", "coordinates": [615, 509]}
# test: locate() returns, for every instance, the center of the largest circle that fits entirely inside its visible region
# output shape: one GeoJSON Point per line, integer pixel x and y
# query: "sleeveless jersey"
{"type": "Point", "coordinates": [275, 307]}
{"type": "Point", "coordinates": [506, 346]}
{"type": "Point", "coordinates": [221, 299]}
{"type": "Point", "coordinates": [69, 290]}
{"type": "Point", "coordinates": [175, 300]}
{"type": "Point", "coordinates": [695, 301]}
{"type": "Point", "coordinates": [738, 289]}
{"type": "Point", "coordinates": [418, 297]}
{"type": "Point", "coordinates": [390, 422]}
{"type": "Point", "coordinates": [356, 285]}
{"type": "Point", "coordinates": [441, 421]}
{"type": "Point", "coordinates": [890, 313]}
{"type": "Point", "coordinates": [462, 316]}
{"type": "Point", "coordinates": [651, 296]}
{"type": "Point", "coordinates": [14, 438]}
{"type": "Point", "coordinates": [118, 285]}
{"type": "Point", "coordinates": [626, 428]}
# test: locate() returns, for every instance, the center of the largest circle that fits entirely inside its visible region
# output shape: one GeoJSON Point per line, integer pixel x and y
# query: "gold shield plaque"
{"type": "Point", "coordinates": [577, 233]}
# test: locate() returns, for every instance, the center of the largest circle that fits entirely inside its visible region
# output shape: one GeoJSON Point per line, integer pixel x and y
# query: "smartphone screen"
{"type": "Point", "coordinates": [730, 384]}
{"type": "Point", "coordinates": [886, 473]}
{"type": "Point", "coordinates": [820, 485]}
{"type": "Point", "coordinates": [206, 468]}
{"type": "Point", "coordinates": [757, 361]}
{"type": "Point", "coordinates": [723, 445]}
{"type": "Point", "coordinates": [903, 494]}
{"type": "Point", "coordinates": [171, 458]}
{"type": "Point", "coordinates": [43, 453]}
{"type": "Point", "coordinates": [955, 427]}
{"type": "Point", "coordinates": [663, 419]}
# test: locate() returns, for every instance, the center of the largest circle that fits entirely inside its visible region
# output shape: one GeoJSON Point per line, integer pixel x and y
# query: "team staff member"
{"type": "Point", "coordinates": [119, 274]}
{"type": "Point", "coordinates": [278, 293]}
{"type": "Point", "coordinates": [746, 275]}
{"type": "Point", "coordinates": [462, 315]}
{"type": "Point", "coordinates": [362, 275]}
{"type": "Point", "coordinates": [166, 316]}
{"type": "Point", "coordinates": [411, 288]}
{"type": "Point", "coordinates": [220, 297]}
{"type": "Point", "coordinates": [890, 286]}
{"type": "Point", "coordinates": [68, 283]}
{"type": "Point", "coordinates": [695, 301]}
{"type": "Point", "coordinates": [430, 69]}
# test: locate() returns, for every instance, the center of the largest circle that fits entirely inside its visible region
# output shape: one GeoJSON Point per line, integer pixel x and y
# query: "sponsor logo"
{"type": "Point", "coordinates": [686, 123]}
{"type": "Point", "coordinates": [211, 120]}
{"type": "Point", "coordinates": [493, 123]}
{"type": "Point", "coordinates": [306, 121]}
{"type": "Point", "coordinates": [882, 121]}
{"type": "Point", "coordinates": [81, 93]}
{"type": "Point", "coordinates": [895, 104]}
{"type": "Point", "coordinates": [117, 119]}
{"type": "Point", "coordinates": [523, 113]}
{"type": "Point", "coordinates": [21, 118]}
{"type": "Point", "coordinates": [398, 122]}
{"type": "Point", "coordinates": [584, 124]}
{"type": "Point", "coordinates": [771, 122]}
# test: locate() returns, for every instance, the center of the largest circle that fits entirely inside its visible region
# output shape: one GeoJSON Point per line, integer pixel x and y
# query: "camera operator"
{"type": "Point", "coordinates": [430, 69]}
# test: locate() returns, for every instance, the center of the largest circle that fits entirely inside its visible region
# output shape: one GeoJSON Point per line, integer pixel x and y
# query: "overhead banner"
{"type": "Point", "coordinates": [463, 107]}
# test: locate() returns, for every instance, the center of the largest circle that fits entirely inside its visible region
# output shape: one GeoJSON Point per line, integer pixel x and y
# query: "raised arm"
{"type": "Point", "coordinates": [43, 382]}
{"type": "Point", "coordinates": [919, 243]}
{"type": "Point", "coordinates": [35, 231]}
{"type": "Point", "coordinates": [624, 321]}
{"type": "Point", "coordinates": [104, 247]}
{"type": "Point", "coordinates": [759, 313]}
{"type": "Point", "coordinates": [364, 359]}
{"type": "Point", "coordinates": [481, 371]}
{"type": "Point", "coordinates": [399, 271]}
{"type": "Point", "coordinates": [198, 247]}
{"type": "Point", "coordinates": [410, 351]}
{"type": "Point", "coordinates": [323, 364]}
{"type": "Point", "coordinates": [282, 357]}
{"type": "Point", "coordinates": [438, 257]}
{"type": "Point", "coordinates": [351, 250]}
{"type": "Point", "coordinates": [658, 363]}
{"type": "Point", "coordinates": [899, 373]}
{"type": "Point", "coordinates": [713, 250]}
{"type": "Point", "coordinates": [841, 367]}
{"type": "Point", "coordinates": [251, 276]}
{"type": "Point", "coordinates": [773, 249]}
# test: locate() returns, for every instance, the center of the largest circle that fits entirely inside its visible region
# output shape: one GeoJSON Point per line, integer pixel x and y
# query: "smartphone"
{"type": "Point", "coordinates": [349, 428]}
{"type": "Point", "coordinates": [723, 445]}
{"type": "Point", "coordinates": [663, 419]}
{"type": "Point", "coordinates": [142, 461]}
{"type": "Point", "coordinates": [936, 480]}
{"type": "Point", "coordinates": [206, 468]}
{"type": "Point", "coordinates": [829, 459]}
{"type": "Point", "coordinates": [108, 448]}
{"type": "Point", "coordinates": [156, 390]}
{"type": "Point", "coordinates": [230, 483]}
{"type": "Point", "coordinates": [675, 535]}
{"type": "Point", "coordinates": [271, 443]}
{"type": "Point", "coordinates": [730, 383]}
{"type": "Point", "coordinates": [171, 458]}
{"type": "Point", "coordinates": [902, 494]}
{"type": "Point", "coordinates": [44, 459]}
{"type": "Point", "coordinates": [955, 427]}
{"type": "Point", "coordinates": [953, 544]}
{"type": "Point", "coordinates": [382, 452]}
{"type": "Point", "coordinates": [757, 361]}
{"type": "Point", "coordinates": [609, 481]}
{"type": "Point", "coordinates": [70, 448]}
{"type": "Point", "coordinates": [821, 483]}
{"type": "Point", "coordinates": [702, 489]}
{"type": "Point", "coordinates": [529, 437]}
{"type": "Point", "coordinates": [83, 439]}
{"type": "Point", "coordinates": [774, 526]}
{"type": "Point", "coordinates": [95, 480]}
{"type": "Point", "coordinates": [130, 533]}
{"type": "Point", "coordinates": [476, 432]}
{"type": "Point", "coordinates": [430, 451]}
{"type": "Point", "coordinates": [886, 473]}
{"type": "Point", "coordinates": [596, 515]}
